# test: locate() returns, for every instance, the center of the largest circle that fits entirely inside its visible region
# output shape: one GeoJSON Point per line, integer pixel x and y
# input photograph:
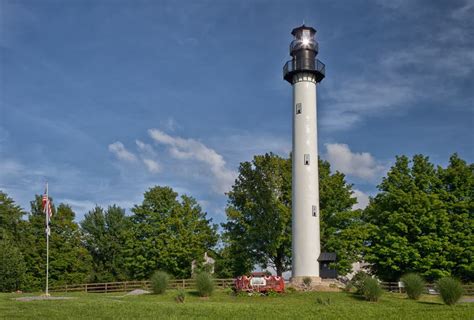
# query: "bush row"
{"type": "Point", "coordinates": [450, 289]}
{"type": "Point", "coordinates": [204, 283]}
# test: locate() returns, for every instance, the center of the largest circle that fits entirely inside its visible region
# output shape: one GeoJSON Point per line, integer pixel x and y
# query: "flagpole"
{"type": "Point", "coordinates": [47, 241]}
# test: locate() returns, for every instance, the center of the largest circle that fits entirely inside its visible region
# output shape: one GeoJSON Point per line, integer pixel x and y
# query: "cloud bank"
{"type": "Point", "coordinates": [360, 165]}
{"type": "Point", "coordinates": [190, 149]}
{"type": "Point", "coordinates": [119, 150]}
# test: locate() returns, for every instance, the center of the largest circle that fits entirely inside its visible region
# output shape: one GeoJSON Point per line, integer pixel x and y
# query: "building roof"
{"type": "Point", "coordinates": [327, 256]}
{"type": "Point", "coordinates": [302, 27]}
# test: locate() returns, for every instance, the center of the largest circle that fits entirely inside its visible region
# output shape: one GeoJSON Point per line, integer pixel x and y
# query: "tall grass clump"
{"type": "Point", "coordinates": [307, 283]}
{"type": "Point", "coordinates": [180, 296]}
{"type": "Point", "coordinates": [450, 290]}
{"type": "Point", "coordinates": [357, 282]}
{"type": "Point", "coordinates": [204, 284]}
{"type": "Point", "coordinates": [414, 285]}
{"type": "Point", "coordinates": [371, 289]}
{"type": "Point", "coordinates": [159, 282]}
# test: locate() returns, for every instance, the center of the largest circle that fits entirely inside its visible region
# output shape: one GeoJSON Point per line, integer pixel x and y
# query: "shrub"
{"type": "Point", "coordinates": [159, 282]}
{"type": "Point", "coordinates": [307, 281]}
{"type": "Point", "coordinates": [204, 284]}
{"type": "Point", "coordinates": [324, 302]}
{"type": "Point", "coordinates": [290, 289]}
{"type": "Point", "coordinates": [450, 290]}
{"type": "Point", "coordinates": [242, 294]}
{"type": "Point", "coordinates": [371, 289]}
{"type": "Point", "coordinates": [414, 285]}
{"type": "Point", "coordinates": [357, 281]}
{"type": "Point", "coordinates": [180, 296]}
{"type": "Point", "coordinates": [272, 293]}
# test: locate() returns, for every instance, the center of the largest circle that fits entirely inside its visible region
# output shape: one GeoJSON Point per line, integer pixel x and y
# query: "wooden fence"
{"type": "Point", "coordinates": [191, 284]}
{"type": "Point", "coordinates": [430, 287]}
{"type": "Point", "coordinates": [132, 285]}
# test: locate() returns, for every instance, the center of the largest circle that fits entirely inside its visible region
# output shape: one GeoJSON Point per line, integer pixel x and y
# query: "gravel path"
{"type": "Point", "coordinates": [42, 298]}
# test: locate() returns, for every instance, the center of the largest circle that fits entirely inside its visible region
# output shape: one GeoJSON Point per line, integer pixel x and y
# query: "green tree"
{"type": "Point", "coordinates": [417, 222]}
{"type": "Point", "coordinates": [69, 260]}
{"type": "Point", "coordinates": [259, 216]}
{"type": "Point", "coordinates": [105, 235]}
{"type": "Point", "coordinates": [458, 195]}
{"type": "Point", "coordinates": [10, 218]}
{"type": "Point", "coordinates": [167, 234]}
{"type": "Point", "coordinates": [232, 260]}
{"type": "Point", "coordinates": [259, 212]}
{"type": "Point", "coordinates": [12, 267]}
{"type": "Point", "coordinates": [342, 229]}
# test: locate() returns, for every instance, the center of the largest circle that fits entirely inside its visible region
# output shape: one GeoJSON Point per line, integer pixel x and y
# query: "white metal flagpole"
{"type": "Point", "coordinates": [46, 210]}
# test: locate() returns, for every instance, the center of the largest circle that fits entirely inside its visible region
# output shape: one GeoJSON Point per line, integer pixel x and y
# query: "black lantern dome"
{"type": "Point", "coordinates": [304, 49]}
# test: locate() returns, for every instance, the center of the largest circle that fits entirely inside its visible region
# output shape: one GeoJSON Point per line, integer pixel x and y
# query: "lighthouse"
{"type": "Point", "coordinates": [304, 72]}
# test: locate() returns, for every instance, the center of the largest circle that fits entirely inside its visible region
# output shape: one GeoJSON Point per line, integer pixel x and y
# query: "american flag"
{"type": "Point", "coordinates": [47, 205]}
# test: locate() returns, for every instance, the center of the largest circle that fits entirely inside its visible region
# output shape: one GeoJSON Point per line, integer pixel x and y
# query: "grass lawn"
{"type": "Point", "coordinates": [223, 305]}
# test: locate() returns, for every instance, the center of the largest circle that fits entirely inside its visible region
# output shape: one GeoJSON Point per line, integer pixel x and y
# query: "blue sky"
{"type": "Point", "coordinates": [105, 99]}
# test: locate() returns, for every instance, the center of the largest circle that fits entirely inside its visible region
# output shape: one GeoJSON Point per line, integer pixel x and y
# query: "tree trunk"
{"type": "Point", "coordinates": [279, 263]}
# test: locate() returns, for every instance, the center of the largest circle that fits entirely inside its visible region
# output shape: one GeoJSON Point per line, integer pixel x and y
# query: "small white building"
{"type": "Point", "coordinates": [206, 261]}
{"type": "Point", "coordinates": [356, 267]}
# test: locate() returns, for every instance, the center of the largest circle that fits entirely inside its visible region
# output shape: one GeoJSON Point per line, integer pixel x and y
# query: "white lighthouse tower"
{"type": "Point", "coordinates": [304, 72]}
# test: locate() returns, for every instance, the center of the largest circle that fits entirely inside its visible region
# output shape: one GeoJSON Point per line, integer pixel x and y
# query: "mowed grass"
{"type": "Point", "coordinates": [223, 305]}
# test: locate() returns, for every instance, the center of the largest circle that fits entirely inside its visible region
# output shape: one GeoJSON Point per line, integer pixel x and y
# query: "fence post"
{"type": "Point", "coordinates": [184, 284]}
{"type": "Point", "coordinates": [86, 287]}
{"type": "Point", "coordinates": [66, 288]}
{"type": "Point", "coordinates": [106, 288]}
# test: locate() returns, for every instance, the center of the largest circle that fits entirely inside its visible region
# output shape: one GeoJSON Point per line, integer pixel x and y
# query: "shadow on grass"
{"type": "Point", "coordinates": [196, 294]}
{"type": "Point", "coordinates": [357, 297]}
{"type": "Point", "coordinates": [431, 303]}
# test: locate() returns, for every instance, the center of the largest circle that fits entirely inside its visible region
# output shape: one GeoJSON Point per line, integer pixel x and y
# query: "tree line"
{"type": "Point", "coordinates": [420, 221]}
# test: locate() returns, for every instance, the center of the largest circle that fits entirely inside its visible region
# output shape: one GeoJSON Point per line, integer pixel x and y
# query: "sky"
{"type": "Point", "coordinates": [105, 99]}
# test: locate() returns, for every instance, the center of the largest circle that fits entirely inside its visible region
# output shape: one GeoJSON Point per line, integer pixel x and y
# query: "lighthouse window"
{"type": "Point", "coordinates": [306, 159]}
{"type": "Point", "coordinates": [315, 211]}
{"type": "Point", "coordinates": [298, 108]}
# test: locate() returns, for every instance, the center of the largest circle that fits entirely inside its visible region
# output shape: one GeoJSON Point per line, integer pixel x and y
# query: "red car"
{"type": "Point", "coordinates": [259, 282]}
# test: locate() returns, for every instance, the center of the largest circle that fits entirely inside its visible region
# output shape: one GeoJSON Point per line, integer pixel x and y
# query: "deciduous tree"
{"type": "Point", "coordinates": [259, 215]}
{"type": "Point", "coordinates": [422, 220]}
{"type": "Point", "coordinates": [70, 262]}
{"type": "Point", "coordinates": [105, 235]}
{"type": "Point", "coordinates": [168, 234]}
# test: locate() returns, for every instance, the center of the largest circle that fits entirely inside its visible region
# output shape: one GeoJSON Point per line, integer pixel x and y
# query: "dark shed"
{"type": "Point", "coordinates": [325, 259]}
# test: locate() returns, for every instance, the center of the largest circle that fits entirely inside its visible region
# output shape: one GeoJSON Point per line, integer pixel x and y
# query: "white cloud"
{"type": "Point", "coordinates": [464, 12]}
{"type": "Point", "coordinates": [79, 206]}
{"type": "Point", "coordinates": [361, 165]}
{"type": "Point", "coordinates": [459, 62]}
{"type": "Point", "coordinates": [251, 143]}
{"type": "Point", "coordinates": [352, 101]}
{"type": "Point", "coordinates": [145, 148]}
{"type": "Point", "coordinates": [119, 150]}
{"type": "Point", "coordinates": [152, 165]}
{"type": "Point", "coordinates": [362, 199]}
{"type": "Point", "coordinates": [170, 124]}
{"type": "Point", "coordinates": [146, 154]}
{"type": "Point", "coordinates": [190, 149]}
{"type": "Point", "coordinates": [405, 77]}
